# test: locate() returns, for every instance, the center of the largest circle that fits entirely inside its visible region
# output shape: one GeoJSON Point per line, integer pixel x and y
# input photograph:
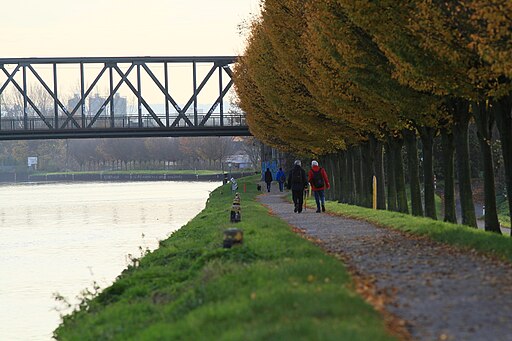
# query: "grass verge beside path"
{"type": "Point", "coordinates": [458, 235]}
{"type": "Point", "coordinates": [276, 286]}
{"type": "Point", "coordinates": [503, 214]}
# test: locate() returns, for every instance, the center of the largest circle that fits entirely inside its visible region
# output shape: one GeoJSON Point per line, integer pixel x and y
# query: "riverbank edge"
{"type": "Point", "coordinates": [277, 284]}
{"type": "Point", "coordinates": [112, 177]}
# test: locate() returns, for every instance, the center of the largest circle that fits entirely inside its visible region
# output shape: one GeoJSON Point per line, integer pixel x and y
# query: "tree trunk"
{"type": "Point", "coordinates": [460, 134]}
{"type": "Point", "coordinates": [411, 145]}
{"type": "Point", "coordinates": [503, 115]}
{"type": "Point", "coordinates": [427, 140]}
{"type": "Point", "coordinates": [358, 175]}
{"type": "Point", "coordinates": [343, 176]}
{"type": "Point", "coordinates": [326, 164]}
{"type": "Point", "coordinates": [337, 170]}
{"type": "Point", "coordinates": [350, 177]}
{"type": "Point", "coordinates": [379, 173]}
{"type": "Point", "coordinates": [340, 175]}
{"type": "Point", "coordinates": [449, 179]}
{"type": "Point", "coordinates": [335, 176]}
{"type": "Point", "coordinates": [390, 176]}
{"type": "Point", "coordinates": [485, 122]}
{"type": "Point", "coordinates": [367, 174]}
{"type": "Point", "coordinates": [330, 176]}
{"type": "Point", "coordinates": [401, 195]}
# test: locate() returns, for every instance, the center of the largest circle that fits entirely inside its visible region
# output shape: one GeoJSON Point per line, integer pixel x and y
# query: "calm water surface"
{"type": "Point", "coordinates": [61, 238]}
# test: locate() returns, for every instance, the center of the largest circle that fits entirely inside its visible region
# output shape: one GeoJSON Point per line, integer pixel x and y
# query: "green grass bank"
{"type": "Point", "coordinates": [458, 235]}
{"type": "Point", "coordinates": [276, 286]}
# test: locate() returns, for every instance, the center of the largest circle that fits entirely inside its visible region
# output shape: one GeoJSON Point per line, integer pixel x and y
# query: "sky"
{"type": "Point", "coordinates": [112, 28]}
{"type": "Point", "coordinates": [62, 28]}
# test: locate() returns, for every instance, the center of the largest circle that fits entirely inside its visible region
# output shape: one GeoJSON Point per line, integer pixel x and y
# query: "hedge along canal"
{"type": "Point", "coordinates": [276, 285]}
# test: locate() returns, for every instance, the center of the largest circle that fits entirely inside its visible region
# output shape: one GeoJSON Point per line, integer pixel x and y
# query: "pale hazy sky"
{"type": "Point", "coordinates": [111, 28]}
{"type": "Point", "coordinates": [36, 28]}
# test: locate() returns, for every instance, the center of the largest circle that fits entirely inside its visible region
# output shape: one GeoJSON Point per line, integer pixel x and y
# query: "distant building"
{"type": "Point", "coordinates": [239, 161]}
{"type": "Point", "coordinates": [95, 103]}
{"type": "Point", "coordinates": [120, 107]}
{"type": "Point", "coordinates": [73, 102]}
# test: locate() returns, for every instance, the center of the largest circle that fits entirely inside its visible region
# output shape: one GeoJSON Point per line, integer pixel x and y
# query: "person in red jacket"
{"type": "Point", "coordinates": [317, 177]}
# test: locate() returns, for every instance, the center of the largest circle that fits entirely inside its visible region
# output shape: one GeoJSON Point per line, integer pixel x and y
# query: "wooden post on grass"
{"type": "Point", "coordinates": [374, 192]}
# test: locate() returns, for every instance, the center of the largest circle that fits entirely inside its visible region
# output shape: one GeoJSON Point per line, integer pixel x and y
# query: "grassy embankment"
{"type": "Point", "coordinates": [437, 199]}
{"type": "Point", "coordinates": [458, 235]}
{"type": "Point", "coordinates": [276, 286]}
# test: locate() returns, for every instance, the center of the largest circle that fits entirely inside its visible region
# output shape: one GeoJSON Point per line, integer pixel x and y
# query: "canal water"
{"type": "Point", "coordinates": [63, 238]}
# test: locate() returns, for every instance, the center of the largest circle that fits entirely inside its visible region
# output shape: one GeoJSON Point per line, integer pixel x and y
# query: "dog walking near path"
{"type": "Point", "coordinates": [441, 293]}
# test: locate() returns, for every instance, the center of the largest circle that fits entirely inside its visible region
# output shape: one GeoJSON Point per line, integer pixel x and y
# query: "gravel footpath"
{"type": "Point", "coordinates": [441, 293]}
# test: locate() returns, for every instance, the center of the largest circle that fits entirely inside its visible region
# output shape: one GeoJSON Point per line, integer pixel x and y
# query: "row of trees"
{"type": "Point", "coordinates": [349, 80]}
{"type": "Point", "coordinates": [135, 153]}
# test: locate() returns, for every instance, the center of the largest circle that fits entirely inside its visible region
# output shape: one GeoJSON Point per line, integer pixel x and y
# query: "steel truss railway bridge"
{"type": "Point", "coordinates": [48, 114]}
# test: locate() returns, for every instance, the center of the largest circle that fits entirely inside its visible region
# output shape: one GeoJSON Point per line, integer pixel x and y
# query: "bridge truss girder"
{"type": "Point", "coordinates": [73, 122]}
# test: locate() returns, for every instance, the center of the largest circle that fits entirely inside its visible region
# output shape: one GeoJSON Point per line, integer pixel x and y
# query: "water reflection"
{"type": "Point", "coordinates": [60, 238]}
{"type": "Point", "coordinates": [28, 213]}
{"type": "Point", "coordinates": [142, 215]}
{"type": "Point", "coordinates": [85, 214]}
{"type": "Point", "coordinates": [59, 213]}
{"type": "Point", "coordinates": [115, 216]}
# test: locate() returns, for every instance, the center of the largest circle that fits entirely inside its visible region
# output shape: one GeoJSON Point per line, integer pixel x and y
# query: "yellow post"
{"type": "Point", "coordinates": [374, 192]}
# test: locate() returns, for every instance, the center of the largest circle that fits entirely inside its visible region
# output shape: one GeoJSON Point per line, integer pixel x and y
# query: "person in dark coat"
{"type": "Point", "coordinates": [297, 182]}
{"type": "Point", "coordinates": [268, 178]}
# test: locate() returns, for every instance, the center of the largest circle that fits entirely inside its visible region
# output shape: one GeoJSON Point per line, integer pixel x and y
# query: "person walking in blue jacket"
{"type": "Point", "coordinates": [281, 179]}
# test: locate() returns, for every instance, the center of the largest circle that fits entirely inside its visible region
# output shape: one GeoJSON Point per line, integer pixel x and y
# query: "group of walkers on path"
{"type": "Point", "coordinates": [298, 184]}
{"type": "Point", "coordinates": [280, 177]}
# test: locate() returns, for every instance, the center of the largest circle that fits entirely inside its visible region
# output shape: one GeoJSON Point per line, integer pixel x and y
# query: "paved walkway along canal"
{"type": "Point", "coordinates": [441, 293]}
